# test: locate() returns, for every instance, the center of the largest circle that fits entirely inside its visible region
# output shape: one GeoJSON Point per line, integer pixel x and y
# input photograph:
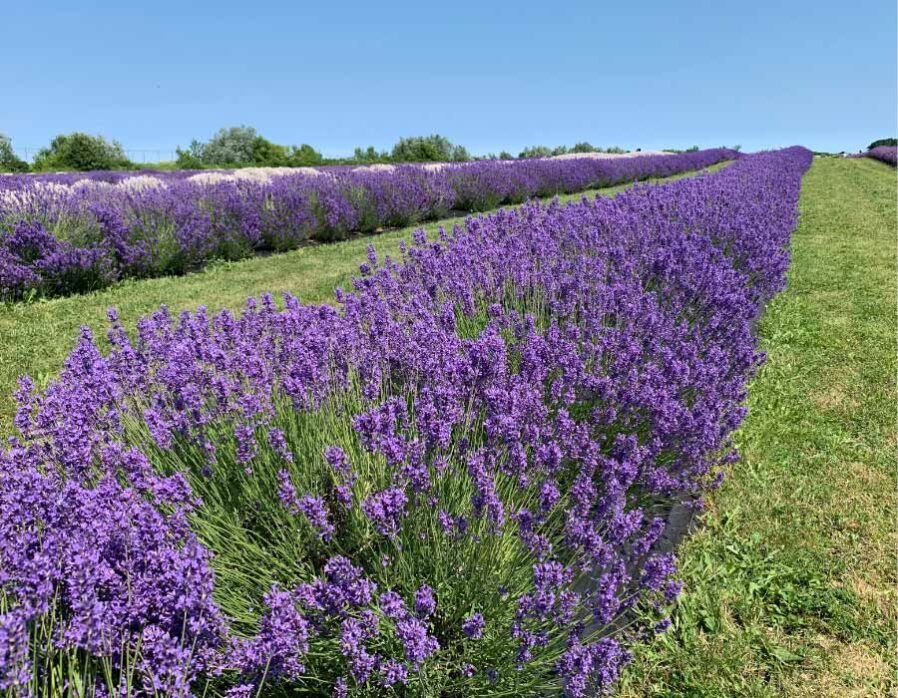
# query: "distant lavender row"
{"type": "Point", "coordinates": [452, 485]}
{"type": "Point", "coordinates": [69, 233]}
{"type": "Point", "coordinates": [888, 154]}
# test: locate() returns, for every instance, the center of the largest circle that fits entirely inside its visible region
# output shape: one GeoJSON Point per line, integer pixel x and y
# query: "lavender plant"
{"type": "Point", "coordinates": [887, 154]}
{"type": "Point", "coordinates": [113, 225]}
{"type": "Point", "coordinates": [454, 484]}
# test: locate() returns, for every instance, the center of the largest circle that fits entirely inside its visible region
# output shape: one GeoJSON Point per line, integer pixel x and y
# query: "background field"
{"type": "Point", "coordinates": [790, 579]}
{"type": "Point", "coordinates": [36, 337]}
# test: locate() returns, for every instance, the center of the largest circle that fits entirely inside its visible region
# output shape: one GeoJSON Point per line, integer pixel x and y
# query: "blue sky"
{"type": "Point", "coordinates": [489, 75]}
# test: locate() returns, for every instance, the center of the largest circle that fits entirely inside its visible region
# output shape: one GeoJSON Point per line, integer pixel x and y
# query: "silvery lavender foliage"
{"type": "Point", "coordinates": [887, 154]}
{"type": "Point", "coordinates": [114, 225]}
{"type": "Point", "coordinates": [460, 475]}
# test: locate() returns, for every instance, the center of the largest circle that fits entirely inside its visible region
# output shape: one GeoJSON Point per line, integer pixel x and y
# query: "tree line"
{"type": "Point", "coordinates": [244, 146]}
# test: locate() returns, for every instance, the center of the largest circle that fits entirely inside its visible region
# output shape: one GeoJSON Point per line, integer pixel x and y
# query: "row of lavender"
{"type": "Point", "coordinates": [453, 485]}
{"type": "Point", "coordinates": [887, 154]}
{"type": "Point", "coordinates": [59, 235]}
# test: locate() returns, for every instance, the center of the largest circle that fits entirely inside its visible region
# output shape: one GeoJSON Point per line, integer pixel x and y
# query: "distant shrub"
{"type": "Point", "coordinates": [433, 148]}
{"type": "Point", "coordinates": [883, 142]}
{"type": "Point", "coordinates": [536, 151]}
{"type": "Point", "coordinates": [243, 146]}
{"type": "Point", "coordinates": [189, 159]}
{"type": "Point", "coordinates": [267, 154]}
{"type": "Point", "coordinates": [9, 161]}
{"type": "Point", "coordinates": [303, 156]}
{"type": "Point", "coordinates": [82, 152]}
{"type": "Point", "coordinates": [543, 151]}
{"type": "Point", "coordinates": [588, 148]}
{"type": "Point", "coordinates": [230, 146]}
{"type": "Point", "coordinates": [505, 155]}
{"type": "Point", "coordinates": [693, 149]}
{"type": "Point", "coordinates": [370, 155]}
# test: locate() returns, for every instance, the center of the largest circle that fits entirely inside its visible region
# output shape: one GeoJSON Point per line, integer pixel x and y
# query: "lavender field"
{"type": "Point", "coordinates": [455, 482]}
{"type": "Point", "coordinates": [77, 232]}
{"type": "Point", "coordinates": [886, 154]}
{"type": "Point", "coordinates": [448, 350]}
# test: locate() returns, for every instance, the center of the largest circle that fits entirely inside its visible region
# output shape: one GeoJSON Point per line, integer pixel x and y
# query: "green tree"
{"type": "Point", "coordinates": [535, 151]}
{"type": "Point", "coordinates": [370, 155]}
{"type": "Point", "coordinates": [83, 152]}
{"type": "Point", "coordinates": [190, 159]}
{"type": "Point", "coordinates": [883, 142]}
{"type": "Point", "coordinates": [9, 161]}
{"type": "Point", "coordinates": [433, 148]}
{"type": "Point", "coordinates": [229, 146]}
{"type": "Point", "coordinates": [268, 154]}
{"type": "Point", "coordinates": [243, 146]}
{"type": "Point", "coordinates": [304, 156]}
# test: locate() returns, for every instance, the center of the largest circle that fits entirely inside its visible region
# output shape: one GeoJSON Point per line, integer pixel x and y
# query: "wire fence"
{"type": "Point", "coordinates": [138, 155]}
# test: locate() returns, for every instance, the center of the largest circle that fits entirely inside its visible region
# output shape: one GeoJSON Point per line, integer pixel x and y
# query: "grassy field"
{"type": "Point", "coordinates": [791, 580]}
{"type": "Point", "coordinates": [36, 337]}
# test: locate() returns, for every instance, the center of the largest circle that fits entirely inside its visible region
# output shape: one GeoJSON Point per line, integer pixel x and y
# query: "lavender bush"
{"type": "Point", "coordinates": [111, 225]}
{"type": "Point", "coordinates": [453, 485]}
{"type": "Point", "coordinates": [887, 154]}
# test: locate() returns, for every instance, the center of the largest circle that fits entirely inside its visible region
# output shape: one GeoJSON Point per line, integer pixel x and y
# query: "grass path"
{"type": "Point", "coordinates": [791, 582]}
{"type": "Point", "coordinates": [36, 337]}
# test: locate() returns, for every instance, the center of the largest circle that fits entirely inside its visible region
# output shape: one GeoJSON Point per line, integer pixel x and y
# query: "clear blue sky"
{"type": "Point", "coordinates": [489, 75]}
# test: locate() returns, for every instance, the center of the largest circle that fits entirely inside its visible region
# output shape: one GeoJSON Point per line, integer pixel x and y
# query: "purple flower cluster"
{"type": "Point", "coordinates": [95, 539]}
{"type": "Point", "coordinates": [885, 153]}
{"type": "Point", "coordinates": [386, 509]}
{"type": "Point", "coordinates": [516, 407]}
{"type": "Point", "coordinates": [473, 626]}
{"type": "Point", "coordinates": [31, 259]}
{"type": "Point", "coordinates": [97, 227]}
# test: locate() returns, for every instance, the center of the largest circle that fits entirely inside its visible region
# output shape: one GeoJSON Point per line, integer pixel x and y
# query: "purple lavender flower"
{"type": "Point", "coordinates": [341, 688]}
{"type": "Point", "coordinates": [337, 459]}
{"type": "Point", "coordinates": [386, 510]}
{"type": "Point", "coordinates": [392, 605]}
{"type": "Point", "coordinates": [418, 643]}
{"type": "Point", "coordinates": [393, 672]}
{"type": "Point", "coordinates": [279, 443]}
{"type": "Point", "coordinates": [353, 636]}
{"type": "Point", "coordinates": [316, 512]}
{"type": "Point", "coordinates": [473, 626]}
{"type": "Point", "coordinates": [15, 670]}
{"type": "Point", "coordinates": [425, 601]}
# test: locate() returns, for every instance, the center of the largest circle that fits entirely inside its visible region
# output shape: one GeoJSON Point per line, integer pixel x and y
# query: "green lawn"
{"type": "Point", "coordinates": [791, 580]}
{"type": "Point", "coordinates": [36, 337]}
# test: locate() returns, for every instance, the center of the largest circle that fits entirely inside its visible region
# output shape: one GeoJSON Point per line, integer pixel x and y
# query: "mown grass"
{"type": "Point", "coordinates": [791, 580]}
{"type": "Point", "coordinates": [36, 337]}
